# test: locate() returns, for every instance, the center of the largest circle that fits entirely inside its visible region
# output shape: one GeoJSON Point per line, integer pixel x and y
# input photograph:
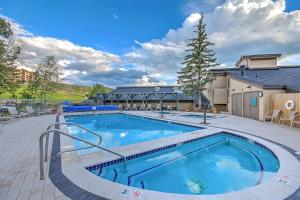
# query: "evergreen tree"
{"type": "Point", "coordinates": [199, 59]}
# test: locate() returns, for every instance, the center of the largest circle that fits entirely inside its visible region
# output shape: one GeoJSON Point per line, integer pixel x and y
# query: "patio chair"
{"type": "Point", "coordinates": [134, 107]}
{"type": "Point", "coordinates": [30, 111]}
{"type": "Point", "coordinates": [157, 107]}
{"type": "Point", "coordinates": [295, 121]}
{"type": "Point", "coordinates": [127, 107]}
{"type": "Point", "coordinates": [14, 112]}
{"type": "Point", "coordinates": [142, 107]}
{"type": "Point", "coordinates": [149, 107]}
{"type": "Point", "coordinates": [169, 108]}
{"type": "Point", "coordinates": [272, 115]}
{"type": "Point", "coordinates": [120, 108]}
{"type": "Point", "coordinates": [289, 118]}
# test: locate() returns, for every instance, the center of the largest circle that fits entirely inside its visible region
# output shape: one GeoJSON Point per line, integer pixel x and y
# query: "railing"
{"type": "Point", "coordinates": [48, 131]}
{"type": "Point", "coordinates": [73, 124]}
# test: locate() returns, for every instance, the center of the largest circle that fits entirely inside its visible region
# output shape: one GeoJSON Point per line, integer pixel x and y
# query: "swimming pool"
{"type": "Point", "coordinates": [122, 129]}
{"type": "Point", "coordinates": [212, 165]}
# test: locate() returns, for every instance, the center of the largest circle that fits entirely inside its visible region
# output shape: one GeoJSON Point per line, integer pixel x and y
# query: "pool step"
{"type": "Point", "coordinates": [111, 175]}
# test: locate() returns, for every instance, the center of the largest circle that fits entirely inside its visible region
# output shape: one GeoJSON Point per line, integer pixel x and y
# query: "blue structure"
{"type": "Point", "coordinates": [89, 108]}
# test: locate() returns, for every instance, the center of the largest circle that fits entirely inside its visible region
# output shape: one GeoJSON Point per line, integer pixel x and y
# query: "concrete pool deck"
{"type": "Point", "coordinates": [19, 174]}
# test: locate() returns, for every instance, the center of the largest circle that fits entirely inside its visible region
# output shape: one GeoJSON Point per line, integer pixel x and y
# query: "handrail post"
{"type": "Point", "coordinates": [46, 147]}
{"type": "Point", "coordinates": [41, 157]}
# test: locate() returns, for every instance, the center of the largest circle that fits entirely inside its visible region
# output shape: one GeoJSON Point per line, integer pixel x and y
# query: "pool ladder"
{"type": "Point", "coordinates": [50, 130]}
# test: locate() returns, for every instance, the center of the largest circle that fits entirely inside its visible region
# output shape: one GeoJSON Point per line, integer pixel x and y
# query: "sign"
{"type": "Point", "coordinates": [283, 180]}
{"type": "Point", "coordinates": [253, 101]}
{"type": "Point", "coordinates": [136, 194]}
{"type": "Point", "coordinates": [125, 192]}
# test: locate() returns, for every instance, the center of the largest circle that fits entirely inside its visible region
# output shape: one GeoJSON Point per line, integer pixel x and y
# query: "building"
{"type": "Point", "coordinates": [23, 75]}
{"type": "Point", "coordinates": [246, 89]}
{"type": "Point", "coordinates": [172, 96]}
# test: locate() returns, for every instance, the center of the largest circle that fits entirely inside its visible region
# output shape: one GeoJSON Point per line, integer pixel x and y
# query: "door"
{"type": "Point", "coordinates": [251, 105]}
{"type": "Point", "coordinates": [236, 104]}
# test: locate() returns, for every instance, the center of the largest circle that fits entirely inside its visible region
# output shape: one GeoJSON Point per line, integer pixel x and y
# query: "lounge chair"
{"type": "Point", "coordinates": [272, 115]}
{"type": "Point", "coordinates": [157, 107]}
{"type": "Point", "coordinates": [134, 107]}
{"type": "Point", "coordinates": [120, 108]}
{"type": "Point", "coordinates": [149, 107]}
{"type": "Point", "coordinates": [295, 121]}
{"type": "Point", "coordinates": [127, 107]}
{"type": "Point", "coordinates": [30, 111]}
{"type": "Point", "coordinates": [169, 108]}
{"type": "Point", "coordinates": [14, 112]}
{"type": "Point", "coordinates": [142, 107]}
{"type": "Point", "coordinates": [289, 118]}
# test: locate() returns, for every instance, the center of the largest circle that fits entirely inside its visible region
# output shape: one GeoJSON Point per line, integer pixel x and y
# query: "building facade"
{"type": "Point", "coordinates": [246, 89]}
{"type": "Point", "coordinates": [23, 75]}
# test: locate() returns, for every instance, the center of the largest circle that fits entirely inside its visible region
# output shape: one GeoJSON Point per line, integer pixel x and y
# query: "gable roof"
{"type": "Point", "coordinates": [283, 77]}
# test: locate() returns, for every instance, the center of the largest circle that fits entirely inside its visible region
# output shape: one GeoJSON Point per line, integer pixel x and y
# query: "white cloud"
{"type": "Point", "coordinates": [237, 27]}
{"type": "Point", "coordinates": [82, 65]}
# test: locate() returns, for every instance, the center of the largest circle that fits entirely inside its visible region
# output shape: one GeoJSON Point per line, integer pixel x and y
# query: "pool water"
{"type": "Point", "coordinates": [216, 164]}
{"type": "Point", "coordinates": [122, 129]}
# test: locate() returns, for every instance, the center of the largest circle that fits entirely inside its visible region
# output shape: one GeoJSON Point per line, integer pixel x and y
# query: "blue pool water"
{"type": "Point", "coordinates": [216, 164]}
{"type": "Point", "coordinates": [122, 129]}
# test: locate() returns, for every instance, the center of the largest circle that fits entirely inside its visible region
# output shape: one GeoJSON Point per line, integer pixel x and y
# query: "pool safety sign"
{"type": "Point", "coordinates": [129, 193]}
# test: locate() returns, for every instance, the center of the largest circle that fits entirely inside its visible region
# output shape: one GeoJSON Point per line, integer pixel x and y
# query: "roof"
{"type": "Point", "coordinates": [146, 89]}
{"type": "Point", "coordinates": [139, 92]}
{"type": "Point", "coordinates": [257, 56]}
{"type": "Point", "coordinates": [283, 77]}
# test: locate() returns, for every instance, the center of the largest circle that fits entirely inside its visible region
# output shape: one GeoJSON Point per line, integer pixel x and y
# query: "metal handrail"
{"type": "Point", "coordinates": [47, 132]}
{"type": "Point", "coordinates": [73, 124]}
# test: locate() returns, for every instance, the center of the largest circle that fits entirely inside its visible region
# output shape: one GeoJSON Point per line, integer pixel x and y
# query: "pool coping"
{"type": "Point", "coordinates": [72, 166]}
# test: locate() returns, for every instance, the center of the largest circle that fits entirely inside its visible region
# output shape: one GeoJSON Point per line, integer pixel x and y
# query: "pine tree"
{"type": "Point", "coordinates": [199, 59]}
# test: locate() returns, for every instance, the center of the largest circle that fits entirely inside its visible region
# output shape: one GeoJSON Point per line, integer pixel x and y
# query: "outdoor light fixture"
{"type": "Point", "coordinates": [260, 94]}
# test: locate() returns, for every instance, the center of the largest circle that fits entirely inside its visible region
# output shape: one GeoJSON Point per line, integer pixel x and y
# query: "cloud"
{"type": "Point", "coordinates": [192, 6]}
{"type": "Point", "coordinates": [237, 27]}
{"type": "Point", "coordinates": [115, 16]}
{"type": "Point", "coordinates": [82, 65]}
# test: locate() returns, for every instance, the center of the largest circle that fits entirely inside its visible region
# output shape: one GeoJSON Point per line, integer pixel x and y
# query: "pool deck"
{"type": "Point", "coordinates": [19, 173]}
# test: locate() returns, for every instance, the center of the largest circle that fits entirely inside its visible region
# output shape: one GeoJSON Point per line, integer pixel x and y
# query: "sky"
{"type": "Point", "coordinates": [143, 42]}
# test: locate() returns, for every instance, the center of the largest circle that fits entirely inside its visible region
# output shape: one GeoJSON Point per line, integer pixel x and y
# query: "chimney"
{"type": "Point", "coordinates": [242, 67]}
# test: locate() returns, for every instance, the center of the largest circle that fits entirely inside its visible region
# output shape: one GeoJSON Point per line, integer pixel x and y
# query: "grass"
{"type": "Point", "coordinates": [65, 92]}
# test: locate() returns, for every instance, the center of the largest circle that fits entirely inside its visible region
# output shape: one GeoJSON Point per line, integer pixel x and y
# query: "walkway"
{"type": "Point", "coordinates": [19, 172]}
{"type": "Point", "coordinates": [277, 133]}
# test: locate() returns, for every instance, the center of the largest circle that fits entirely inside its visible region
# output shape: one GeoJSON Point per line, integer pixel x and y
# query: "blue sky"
{"type": "Point", "coordinates": [141, 37]}
{"type": "Point", "coordinates": [109, 25]}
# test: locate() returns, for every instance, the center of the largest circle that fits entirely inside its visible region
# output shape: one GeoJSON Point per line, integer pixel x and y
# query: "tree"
{"type": "Point", "coordinates": [46, 79]}
{"type": "Point", "coordinates": [99, 88]}
{"type": "Point", "coordinates": [197, 63]}
{"type": "Point", "coordinates": [9, 52]}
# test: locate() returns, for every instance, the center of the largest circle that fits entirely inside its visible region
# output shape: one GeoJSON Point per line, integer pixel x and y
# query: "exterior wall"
{"type": "Point", "coordinates": [265, 101]}
{"type": "Point", "coordinates": [259, 63]}
{"type": "Point", "coordinates": [268, 98]}
{"type": "Point", "coordinates": [216, 90]}
{"type": "Point", "coordinates": [22, 75]}
{"type": "Point", "coordinates": [263, 63]}
{"type": "Point", "coordinates": [244, 62]}
{"type": "Point", "coordinates": [237, 86]}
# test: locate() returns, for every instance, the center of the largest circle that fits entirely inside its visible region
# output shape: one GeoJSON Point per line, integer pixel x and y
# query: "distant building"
{"type": "Point", "coordinates": [246, 89]}
{"type": "Point", "coordinates": [144, 97]}
{"type": "Point", "coordinates": [23, 75]}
